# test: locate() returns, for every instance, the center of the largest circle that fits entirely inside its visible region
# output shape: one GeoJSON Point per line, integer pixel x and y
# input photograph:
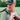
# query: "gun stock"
{"type": "Point", "coordinates": [16, 18]}
{"type": "Point", "coordinates": [3, 10]}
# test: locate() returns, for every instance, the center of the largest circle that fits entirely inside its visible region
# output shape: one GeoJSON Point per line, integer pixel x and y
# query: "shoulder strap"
{"type": "Point", "coordinates": [8, 12]}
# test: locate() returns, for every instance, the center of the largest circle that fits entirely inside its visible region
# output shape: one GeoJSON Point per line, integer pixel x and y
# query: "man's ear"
{"type": "Point", "coordinates": [15, 4]}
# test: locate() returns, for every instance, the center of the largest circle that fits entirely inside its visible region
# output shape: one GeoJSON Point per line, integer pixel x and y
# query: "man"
{"type": "Point", "coordinates": [10, 13]}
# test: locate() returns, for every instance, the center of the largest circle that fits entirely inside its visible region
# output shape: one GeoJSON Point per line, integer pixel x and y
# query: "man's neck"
{"type": "Point", "coordinates": [13, 11]}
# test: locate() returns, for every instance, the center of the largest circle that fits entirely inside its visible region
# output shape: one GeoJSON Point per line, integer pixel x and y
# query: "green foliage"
{"type": "Point", "coordinates": [4, 4]}
{"type": "Point", "coordinates": [0, 3]}
{"type": "Point", "coordinates": [17, 3]}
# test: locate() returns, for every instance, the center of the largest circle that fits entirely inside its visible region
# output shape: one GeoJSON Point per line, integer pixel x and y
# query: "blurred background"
{"type": "Point", "coordinates": [3, 5]}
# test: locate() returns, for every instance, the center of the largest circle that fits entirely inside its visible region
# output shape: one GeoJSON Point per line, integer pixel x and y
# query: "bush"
{"type": "Point", "coordinates": [0, 3]}
{"type": "Point", "coordinates": [4, 4]}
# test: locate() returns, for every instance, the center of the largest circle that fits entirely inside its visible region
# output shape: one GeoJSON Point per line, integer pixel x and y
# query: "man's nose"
{"type": "Point", "coordinates": [9, 7]}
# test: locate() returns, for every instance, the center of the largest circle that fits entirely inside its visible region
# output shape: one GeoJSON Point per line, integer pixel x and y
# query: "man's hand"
{"type": "Point", "coordinates": [12, 16]}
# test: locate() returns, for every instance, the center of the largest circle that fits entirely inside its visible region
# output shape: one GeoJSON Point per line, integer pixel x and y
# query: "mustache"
{"type": "Point", "coordinates": [9, 7]}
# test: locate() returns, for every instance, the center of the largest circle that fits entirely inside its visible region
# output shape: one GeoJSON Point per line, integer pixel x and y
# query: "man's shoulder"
{"type": "Point", "coordinates": [16, 11]}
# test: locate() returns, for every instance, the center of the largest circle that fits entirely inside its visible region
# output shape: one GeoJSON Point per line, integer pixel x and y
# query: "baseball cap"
{"type": "Point", "coordinates": [10, 1]}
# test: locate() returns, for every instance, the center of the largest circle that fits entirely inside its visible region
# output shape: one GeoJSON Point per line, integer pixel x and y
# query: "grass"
{"type": "Point", "coordinates": [16, 8]}
{"type": "Point", "coordinates": [0, 17]}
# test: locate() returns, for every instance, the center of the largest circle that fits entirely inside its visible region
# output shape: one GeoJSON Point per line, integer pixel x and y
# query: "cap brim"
{"type": "Point", "coordinates": [9, 2]}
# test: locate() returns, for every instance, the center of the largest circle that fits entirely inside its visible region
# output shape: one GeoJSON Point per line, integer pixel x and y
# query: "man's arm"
{"type": "Point", "coordinates": [17, 16]}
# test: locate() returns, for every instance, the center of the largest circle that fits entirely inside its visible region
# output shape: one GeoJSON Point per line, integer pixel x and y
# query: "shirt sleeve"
{"type": "Point", "coordinates": [17, 15]}
{"type": "Point", "coordinates": [3, 15]}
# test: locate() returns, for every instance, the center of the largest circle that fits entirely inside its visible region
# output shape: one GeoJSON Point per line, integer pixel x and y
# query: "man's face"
{"type": "Point", "coordinates": [11, 6]}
